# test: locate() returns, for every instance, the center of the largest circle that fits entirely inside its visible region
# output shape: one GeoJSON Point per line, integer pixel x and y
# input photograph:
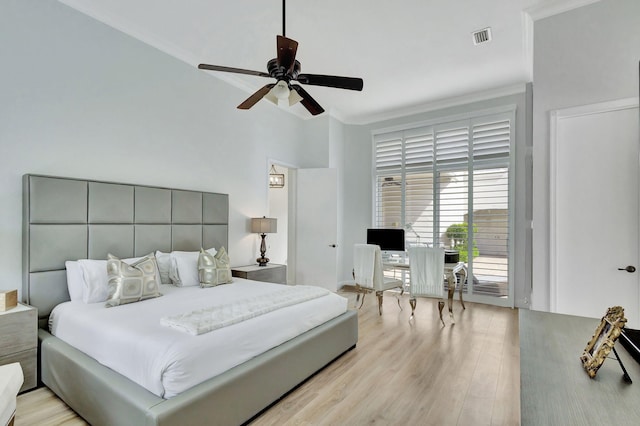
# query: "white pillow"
{"type": "Point", "coordinates": [75, 280]}
{"type": "Point", "coordinates": [96, 279]}
{"type": "Point", "coordinates": [184, 267]}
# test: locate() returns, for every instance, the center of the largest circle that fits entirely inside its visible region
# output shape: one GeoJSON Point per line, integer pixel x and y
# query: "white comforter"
{"type": "Point", "coordinates": [129, 339]}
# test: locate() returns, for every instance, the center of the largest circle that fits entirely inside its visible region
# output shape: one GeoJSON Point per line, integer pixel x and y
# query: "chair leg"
{"type": "Point", "coordinates": [440, 308]}
{"type": "Point", "coordinates": [379, 294]}
{"type": "Point", "coordinates": [364, 293]}
{"type": "Point", "coordinates": [360, 291]}
{"type": "Point", "coordinates": [412, 302]}
{"type": "Point", "coordinates": [452, 289]}
{"type": "Point", "coordinates": [464, 280]}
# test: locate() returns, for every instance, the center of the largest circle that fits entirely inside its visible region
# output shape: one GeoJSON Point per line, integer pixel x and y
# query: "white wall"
{"type": "Point", "coordinates": [80, 99]}
{"type": "Point", "coordinates": [581, 57]}
{"type": "Point", "coordinates": [357, 194]}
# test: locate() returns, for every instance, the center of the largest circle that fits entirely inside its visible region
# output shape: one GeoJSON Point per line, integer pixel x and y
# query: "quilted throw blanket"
{"type": "Point", "coordinates": [214, 317]}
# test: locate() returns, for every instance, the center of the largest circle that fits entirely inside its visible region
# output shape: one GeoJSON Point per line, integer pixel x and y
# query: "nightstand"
{"type": "Point", "coordinates": [19, 341]}
{"type": "Point", "coordinates": [271, 273]}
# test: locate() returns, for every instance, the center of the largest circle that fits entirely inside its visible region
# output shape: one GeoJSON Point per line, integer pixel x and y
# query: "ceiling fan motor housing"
{"type": "Point", "coordinates": [280, 72]}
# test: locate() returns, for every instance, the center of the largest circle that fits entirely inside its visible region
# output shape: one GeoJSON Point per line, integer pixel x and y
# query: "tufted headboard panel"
{"type": "Point", "coordinates": [69, 219]}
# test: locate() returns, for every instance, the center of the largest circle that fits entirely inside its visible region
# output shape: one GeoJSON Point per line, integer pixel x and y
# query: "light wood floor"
{"type": "Point", "coordinates": [417, 373]}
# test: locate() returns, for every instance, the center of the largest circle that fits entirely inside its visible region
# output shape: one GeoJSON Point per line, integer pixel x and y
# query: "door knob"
{"type": "Point", "coordinates": [333, 245]}
{"type": "Point", "coordinates": [629, 269]}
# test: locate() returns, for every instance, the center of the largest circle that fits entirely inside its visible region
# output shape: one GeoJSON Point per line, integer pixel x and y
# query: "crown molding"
{"type": "Point", "coordinates": [554, 7]}
{"type": "Point", "coordinates": [437, 105]}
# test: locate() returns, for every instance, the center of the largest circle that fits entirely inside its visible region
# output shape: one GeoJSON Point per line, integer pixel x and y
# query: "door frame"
{"type": "Point", "coordinates": [291, 207]}
{"type": "Point", "coordinates": [555, 117]}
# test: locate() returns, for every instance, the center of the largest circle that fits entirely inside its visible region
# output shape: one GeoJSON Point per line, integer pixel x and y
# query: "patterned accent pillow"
{"type": "Point", "coordinates": [207, 269]}
{"type": "Point", "coordinates": [214, 270]}
{"type": "Point", "coordinates": [164, 264]}
{"type": "Point", "coordinates": [224, 266]}
{"type": "Point", "coordinates": [132, 283]}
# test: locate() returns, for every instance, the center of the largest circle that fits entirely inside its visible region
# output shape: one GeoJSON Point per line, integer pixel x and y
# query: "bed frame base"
{"type": "Point", "coordinates": [102, 396]}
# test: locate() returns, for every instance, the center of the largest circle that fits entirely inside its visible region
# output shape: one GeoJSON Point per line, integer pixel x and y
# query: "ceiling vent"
{"type": "Point", "coordinates": [481, 36]}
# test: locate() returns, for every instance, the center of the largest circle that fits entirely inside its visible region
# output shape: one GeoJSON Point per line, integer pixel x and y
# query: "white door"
{"type": "Point", "coordinates": [316, 227]}
{"type": "Point", "coordinates": [594, 210]}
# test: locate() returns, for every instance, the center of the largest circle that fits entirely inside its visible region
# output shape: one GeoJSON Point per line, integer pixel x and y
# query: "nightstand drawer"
{"type": "Point", "coordinates": [28, 360]}
{"type": "Point", "coordinates": [19, 341]}
{"type": "Point", "coordinates": [271, 273]}
{"type": "Point", "coordinates": [18, 330]}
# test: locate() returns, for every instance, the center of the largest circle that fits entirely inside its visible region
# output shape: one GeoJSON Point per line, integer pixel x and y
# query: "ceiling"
{"type": "Point", "coordinates": [413, 55]}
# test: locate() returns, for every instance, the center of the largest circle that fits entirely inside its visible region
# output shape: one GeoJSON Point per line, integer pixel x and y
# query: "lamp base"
{"type": "Point", "coordinates": [262, 261]}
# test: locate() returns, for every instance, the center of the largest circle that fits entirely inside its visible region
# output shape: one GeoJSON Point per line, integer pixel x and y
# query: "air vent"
{"type": "Point", "coordinates": [481, 36]}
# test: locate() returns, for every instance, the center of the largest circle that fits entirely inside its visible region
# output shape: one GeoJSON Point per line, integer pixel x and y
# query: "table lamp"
{"type": "Point", "coordinates": [263, 226]}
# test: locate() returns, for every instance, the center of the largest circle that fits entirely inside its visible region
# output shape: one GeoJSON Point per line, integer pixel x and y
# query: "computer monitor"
{"type": "Point", "coordinates": [387, 239]}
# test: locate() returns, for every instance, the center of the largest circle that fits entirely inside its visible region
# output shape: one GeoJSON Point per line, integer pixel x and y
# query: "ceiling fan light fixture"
{"type": "Point", "coordinates": [280, 94]}
{"type": "Point", "coordinates": [294, 98]}
{"type": "Point", "coordinates": [281, 91]}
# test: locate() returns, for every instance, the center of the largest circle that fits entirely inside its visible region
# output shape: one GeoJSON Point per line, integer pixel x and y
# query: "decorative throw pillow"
{"type": "Point", "coordinates": [132, 283]}
{"type": "Point", "coordinates": [95, 279]}
{"type": "Point", "coordinates": [223, 266]}
{"type": "Point", "coordinates": [207, 269]}
{"type": "Point", "coordinates": [214, 270]}
{"type": "Point", "coordinates": [183, 269]}
{"type": "Point", "coordinates": [164, 264]}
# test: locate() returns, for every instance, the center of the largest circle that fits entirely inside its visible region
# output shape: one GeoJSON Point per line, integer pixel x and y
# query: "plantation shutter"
{"type": "Point", "coordinates": [452, 177]}
{"type": "Point", "coordinates": [389, 162]}
{"type": "Point", "coordinates": [419, 185]}
{"type": "Point", "coordinates": [491, 140]}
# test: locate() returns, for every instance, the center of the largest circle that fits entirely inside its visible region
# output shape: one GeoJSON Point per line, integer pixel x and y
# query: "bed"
{"type": "Point", "coordinates": [67, 219]}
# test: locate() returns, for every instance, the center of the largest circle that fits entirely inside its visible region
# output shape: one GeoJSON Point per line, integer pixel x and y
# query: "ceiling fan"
{"type": "Point", "coordinates": [285, 69]}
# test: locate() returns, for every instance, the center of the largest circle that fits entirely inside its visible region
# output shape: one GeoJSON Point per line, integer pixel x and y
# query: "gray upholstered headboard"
{"type": "Point", "coordinates": [69, 219]}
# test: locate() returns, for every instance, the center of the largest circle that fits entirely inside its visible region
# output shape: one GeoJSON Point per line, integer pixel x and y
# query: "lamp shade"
{"type": "Point", "coordinates": [264, 225]}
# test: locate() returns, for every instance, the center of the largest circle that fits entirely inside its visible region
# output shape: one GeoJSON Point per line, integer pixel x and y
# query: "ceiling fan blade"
{"type": "Point", "coordinates": [350, 83]}
{"type": "Point", "coordinates": [230, 69]}
{"type": "Point", "coordinates": [309, 103]}
{"type": "Point", "coordinates": [253, 99]}
{"type": "Point", "coordinates": [287, 49]}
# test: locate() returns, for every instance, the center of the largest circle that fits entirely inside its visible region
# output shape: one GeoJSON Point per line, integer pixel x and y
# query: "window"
{"type": "Point", "coordinates": [447, 185]}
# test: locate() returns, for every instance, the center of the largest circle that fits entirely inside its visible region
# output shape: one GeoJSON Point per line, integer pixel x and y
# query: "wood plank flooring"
{"type": "Point", "coordinates": [401, 372]}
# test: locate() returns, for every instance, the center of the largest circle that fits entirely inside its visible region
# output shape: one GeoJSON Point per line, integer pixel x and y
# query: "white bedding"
{"type": "Point", "coordinates": [130, 340]}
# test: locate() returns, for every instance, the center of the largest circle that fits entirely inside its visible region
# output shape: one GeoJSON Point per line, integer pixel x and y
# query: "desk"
{"type": "Point", "coordinates": [451, 271]}
{"type": "Point", "coordinates": [555, 389]}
